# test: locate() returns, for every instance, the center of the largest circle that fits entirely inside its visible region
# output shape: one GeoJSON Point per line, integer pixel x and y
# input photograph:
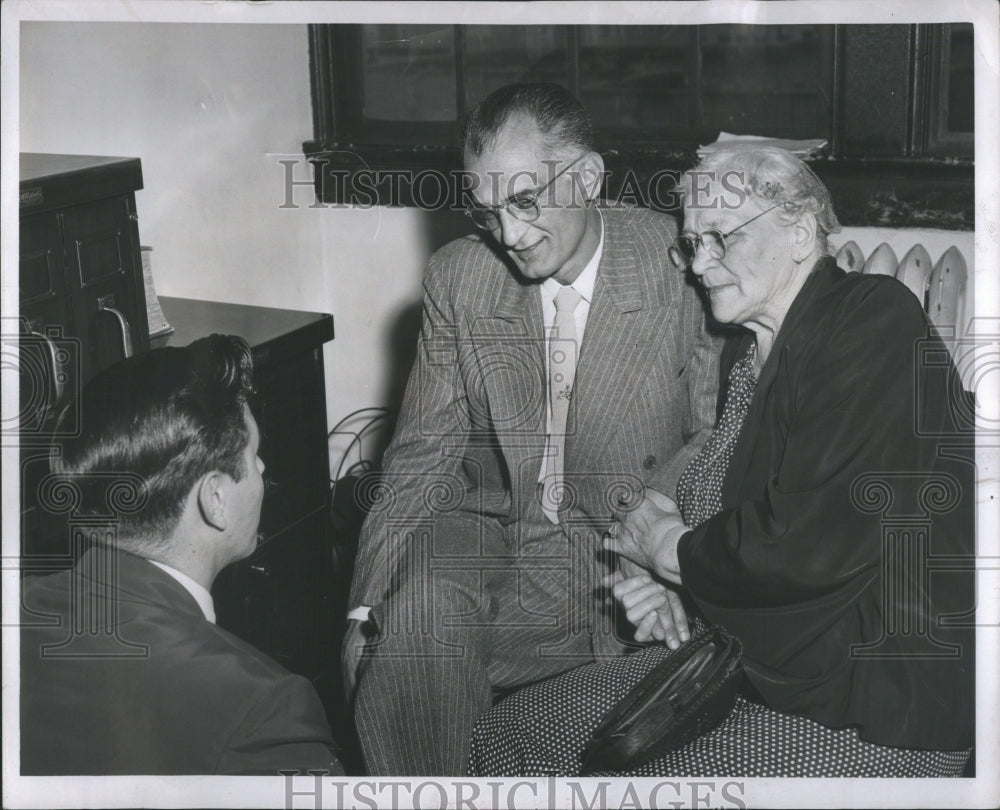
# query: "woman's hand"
{"type": "Point", "coordinates": [648, 535]}
{"type": "Point", "coordinates": [654, 608]}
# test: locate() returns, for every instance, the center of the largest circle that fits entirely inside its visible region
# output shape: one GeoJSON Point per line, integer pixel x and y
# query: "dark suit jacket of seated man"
{"type": "Point", "coordinates": [123, 670]}
{"type": "Point", "coordinates": [473, 580]}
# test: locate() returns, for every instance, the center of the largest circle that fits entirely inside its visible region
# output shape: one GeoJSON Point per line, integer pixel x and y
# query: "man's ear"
{"type": "Point", "coordinates": [212, 500]}
{"type": "Point", "coordinates": [803, 236]}
{"type": "Point", "coordinates": [592, 174]}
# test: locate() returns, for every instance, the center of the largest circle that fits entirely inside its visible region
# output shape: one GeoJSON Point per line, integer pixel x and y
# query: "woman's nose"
{"type": "Point", "coordinates": [702, 259]}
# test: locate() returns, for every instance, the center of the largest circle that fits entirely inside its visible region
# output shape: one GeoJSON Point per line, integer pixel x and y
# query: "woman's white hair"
{"type": "Point", "coordinates": [770, 174]}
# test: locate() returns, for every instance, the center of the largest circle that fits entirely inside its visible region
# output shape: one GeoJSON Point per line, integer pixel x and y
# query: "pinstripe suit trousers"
{"type": "Point", "coordinates": [461, 627]}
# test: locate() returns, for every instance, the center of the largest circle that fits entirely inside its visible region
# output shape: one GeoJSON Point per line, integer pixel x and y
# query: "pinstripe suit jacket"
{"type": "Point", "coordinates": [471, 432]}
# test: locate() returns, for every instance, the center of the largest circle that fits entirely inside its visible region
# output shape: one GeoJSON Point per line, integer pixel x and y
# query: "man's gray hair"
{"type": "Point", "coordinates": [560, 117]}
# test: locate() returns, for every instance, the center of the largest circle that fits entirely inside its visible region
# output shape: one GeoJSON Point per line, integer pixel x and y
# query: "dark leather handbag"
{"type": "Point", "coordinates": [685, 696]}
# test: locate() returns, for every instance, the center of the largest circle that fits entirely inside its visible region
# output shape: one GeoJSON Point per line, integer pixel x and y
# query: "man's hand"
{"type": "Point", "coordinates": [648, 535]}
{"type": "Point", "coordinates": [352, 651]}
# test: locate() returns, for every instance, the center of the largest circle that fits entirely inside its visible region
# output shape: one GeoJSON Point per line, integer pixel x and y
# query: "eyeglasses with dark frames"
{"type": "Point", "coordinates": [522, 206]}
{"type": "Point", "coordinates": [684, 248]}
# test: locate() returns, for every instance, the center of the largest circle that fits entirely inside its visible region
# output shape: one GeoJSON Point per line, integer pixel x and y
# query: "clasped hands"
{"type": "Point", "coordinates": [645, 539]}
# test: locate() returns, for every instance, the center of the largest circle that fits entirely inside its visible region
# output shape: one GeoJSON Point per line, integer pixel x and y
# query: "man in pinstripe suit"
{"type": "Point", "coordinates": [466, 581]}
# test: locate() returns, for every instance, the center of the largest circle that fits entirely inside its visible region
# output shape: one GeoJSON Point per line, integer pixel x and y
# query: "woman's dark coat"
{"type": "Point", "coordinates": [842, 556]}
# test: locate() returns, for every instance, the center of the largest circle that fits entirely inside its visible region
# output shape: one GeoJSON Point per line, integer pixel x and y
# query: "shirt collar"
{"type": "Point", "coordinates": [198, 591]}
{"type": "Point", "coordinates": [587, 280]}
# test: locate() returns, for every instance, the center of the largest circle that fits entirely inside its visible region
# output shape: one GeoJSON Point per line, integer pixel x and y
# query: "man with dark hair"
{"type": "Point", "coordinates": [563, 366]}
{"type": "Point", "coordinates": [123, 670]}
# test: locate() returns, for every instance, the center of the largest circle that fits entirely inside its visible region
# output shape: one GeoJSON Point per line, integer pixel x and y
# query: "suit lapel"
{"type": "Point", "coordinates": [625, 330]}
{"type": "Point", "coordinates": [509, 349]}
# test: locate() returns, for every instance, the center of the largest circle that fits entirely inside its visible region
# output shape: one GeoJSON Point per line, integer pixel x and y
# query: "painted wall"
{"type": "Point", "coordinates": [211, 110]}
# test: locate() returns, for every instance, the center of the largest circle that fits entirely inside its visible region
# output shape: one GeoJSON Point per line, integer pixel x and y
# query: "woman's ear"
{"type": "Point", "coordinates": [212, 500]}
{"type": "Point", "coordinates": [592, 174]}
{"type": "Point", "coordinates": [803, 236]}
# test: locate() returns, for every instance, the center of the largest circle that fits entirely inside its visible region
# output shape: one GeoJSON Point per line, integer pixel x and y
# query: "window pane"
{"type": "Point", "coordinates": [496, 55]}
{"type": "Point", "coordinates": [635, 75]}
{"type": "Point", "coordinates": [961, 97]}
{"type": "Point", "coordinates": [764, 80]}
{"type": "Point", "coordinates": [409, 72]}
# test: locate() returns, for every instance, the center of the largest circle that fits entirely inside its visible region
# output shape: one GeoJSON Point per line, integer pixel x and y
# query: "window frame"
{"type": "Point", "coordinates": [936, 138]}
{"type": "Point", "coordinates": [930, 174]}
{"type": "Point", "coordinates": [338, 120]}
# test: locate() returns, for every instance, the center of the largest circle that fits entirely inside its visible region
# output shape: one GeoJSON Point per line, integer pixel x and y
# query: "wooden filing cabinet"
{"type": "Point", "coordinates": [80, 266]}
{"type": "Point", "coordinates": [82, 303]}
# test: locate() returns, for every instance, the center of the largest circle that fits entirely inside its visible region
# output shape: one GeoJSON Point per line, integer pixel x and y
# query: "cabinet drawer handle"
{"type": "Point", "coordinates": [123, 325]}
{"type": "Point", "coordinates": [57, 383]}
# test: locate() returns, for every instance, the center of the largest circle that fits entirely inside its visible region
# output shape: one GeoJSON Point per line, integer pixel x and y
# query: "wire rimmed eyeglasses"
{"type": "Point", "coordinates": [685, 246]}
{"type": "Point", "coordinates": [523, 205]}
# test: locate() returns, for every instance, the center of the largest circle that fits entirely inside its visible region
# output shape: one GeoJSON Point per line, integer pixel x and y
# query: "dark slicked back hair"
{"type": "Point", "coordinates": [162, 420]}
{"type": "Point", "coordinates": [562, 120]}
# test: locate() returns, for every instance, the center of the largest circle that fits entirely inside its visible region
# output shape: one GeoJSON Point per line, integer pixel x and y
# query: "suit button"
{"type": "Point", "coordinates": [649, 462]}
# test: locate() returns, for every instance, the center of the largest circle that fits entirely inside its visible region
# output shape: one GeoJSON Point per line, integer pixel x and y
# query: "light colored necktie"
{"type": "Point", "coordinates": [562, 372]}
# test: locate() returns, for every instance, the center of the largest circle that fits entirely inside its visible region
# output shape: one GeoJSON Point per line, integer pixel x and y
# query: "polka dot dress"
{"type": "Point", "coordinates": [542, 729]}
{"type": "Point", "coordinates": [699, 491]}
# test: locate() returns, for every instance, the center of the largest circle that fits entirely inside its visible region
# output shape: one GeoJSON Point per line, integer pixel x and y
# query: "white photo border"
{"type": "Point", "coordinates": [983, 791]}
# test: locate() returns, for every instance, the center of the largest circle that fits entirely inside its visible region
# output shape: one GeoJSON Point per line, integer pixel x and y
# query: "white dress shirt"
{"type": "Point", "coordinates": [198, 591]}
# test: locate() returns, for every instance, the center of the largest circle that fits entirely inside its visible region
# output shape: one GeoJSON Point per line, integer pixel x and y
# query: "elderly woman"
{"type": "Point", "coordinates": [791, 528]}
